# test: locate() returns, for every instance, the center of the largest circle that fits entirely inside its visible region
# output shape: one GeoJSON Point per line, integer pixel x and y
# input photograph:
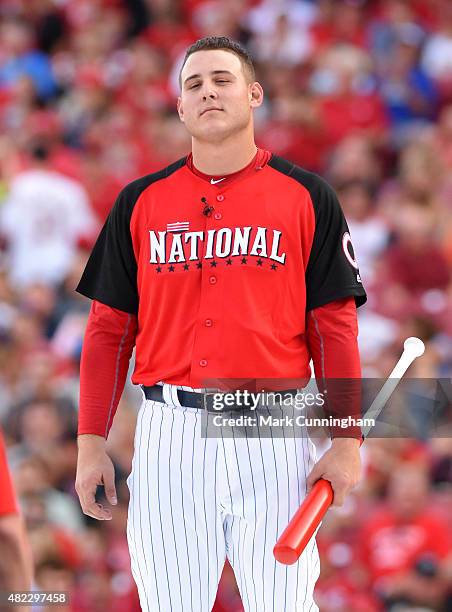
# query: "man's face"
{"type": "Point", "coordinates": [216, 100]}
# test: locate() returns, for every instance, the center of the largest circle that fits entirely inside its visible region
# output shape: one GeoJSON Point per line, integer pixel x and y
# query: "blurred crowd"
{"type": "Point", "coordinates": [358, 91]}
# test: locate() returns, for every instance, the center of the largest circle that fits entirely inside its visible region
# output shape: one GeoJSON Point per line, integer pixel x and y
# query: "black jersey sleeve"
{"type": "Point", "coordinates": [332, 272]}
{"type": "Point", "coordinates": [110, 275]}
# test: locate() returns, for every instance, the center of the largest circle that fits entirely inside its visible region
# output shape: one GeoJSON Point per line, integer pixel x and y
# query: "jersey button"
{"type": "Point", "coordinates": [208, 322]}
{"type": "Point", "coordinates": [220, 197]}
{"type": "Point", "coordinates": [212, 280]}
{"type": "Point", "coordinates": [217, 216]}
{"type": "Point", "coordinates": [203, 363]}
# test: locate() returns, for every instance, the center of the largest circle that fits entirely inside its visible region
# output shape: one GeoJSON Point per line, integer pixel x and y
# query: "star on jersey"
{"type": "Point", "coordinates": [214, 264]}
{"type": "Point", "coordinates": [169, 247]}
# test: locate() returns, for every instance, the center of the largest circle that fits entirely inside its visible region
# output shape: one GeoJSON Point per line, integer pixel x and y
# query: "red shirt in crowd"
{"type": "Point", "coordinates": [8, 501]}
{"type": "Point", "coordinates": [390, 545]}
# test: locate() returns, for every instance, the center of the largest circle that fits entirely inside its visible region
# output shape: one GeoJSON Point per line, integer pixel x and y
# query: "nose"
{"type": "Point", "coordinates": [209, 93]}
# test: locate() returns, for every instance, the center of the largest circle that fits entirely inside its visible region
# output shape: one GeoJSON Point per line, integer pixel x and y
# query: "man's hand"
{"type": "Point", "coordinates": [94, 468]}
{"type": "Point", "coordinates": [341, 465]}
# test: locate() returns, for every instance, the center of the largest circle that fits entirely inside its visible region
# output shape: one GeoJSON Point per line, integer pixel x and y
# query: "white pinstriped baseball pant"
{"type": "Point", "coordinates": [195, 501]}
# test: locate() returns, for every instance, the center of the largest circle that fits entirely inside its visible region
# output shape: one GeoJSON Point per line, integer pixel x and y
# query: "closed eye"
{"type": "Point", "coordinates": [195, 85]}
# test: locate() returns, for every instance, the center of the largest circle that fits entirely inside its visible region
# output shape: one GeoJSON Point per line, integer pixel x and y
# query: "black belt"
{"type": "Point", "coordinates": [204, 400]}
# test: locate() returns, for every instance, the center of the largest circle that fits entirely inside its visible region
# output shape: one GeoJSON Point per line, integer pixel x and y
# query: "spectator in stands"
{"type": "Point", "coordinates": [369, 231]}
{"type": "Point", "coordinates": [16, 563]}
{"type": "Point", "coordinates": [437, 55]}
{"type": "Point", "coordinates": [44, 216]}
{"type": "Point", "coordinates": [22, 59]}
{"type": "Point", "coordinates": [349, 100]}
{"type": "Point", "coordinates": [33, 476]}
{"type": "Point", "coordinates": [403, 543]}
{"type": "Point", "coordinates": [409, 94]}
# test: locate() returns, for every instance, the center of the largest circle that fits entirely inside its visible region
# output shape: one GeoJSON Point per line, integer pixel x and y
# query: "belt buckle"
{"type": "Point", "coordinates": [206, 403]}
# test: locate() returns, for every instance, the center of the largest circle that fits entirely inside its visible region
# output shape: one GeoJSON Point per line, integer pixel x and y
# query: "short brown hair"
{"type": "Point", "coordinates": [223, 43]}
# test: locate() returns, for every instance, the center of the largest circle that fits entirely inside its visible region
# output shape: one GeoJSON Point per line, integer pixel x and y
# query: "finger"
{"type": "Point", "coordinates": [97, 511]}
{"type": "Point", "coordinates": [86, 492]}
{"type": "Point", "coordinates": [109, 486]}
{"type": "Point", "coordinates": [340, 493]}
{"type": "Point", "coordinates": [312, 478]}
{"type": "Point", "coordinates": [88, 502]}
{"type": "Point", "coordinates": [338, 501]}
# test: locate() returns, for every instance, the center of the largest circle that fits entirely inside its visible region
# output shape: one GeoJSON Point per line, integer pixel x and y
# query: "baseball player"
{"type": "Point", "coordinates": [231, 263]}
{"type": "Point", "coordinates": [16, 565]}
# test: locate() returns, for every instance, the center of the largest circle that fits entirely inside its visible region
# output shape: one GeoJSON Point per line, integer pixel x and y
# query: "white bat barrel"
{"type": "Point", "coordinates": [412, 347]}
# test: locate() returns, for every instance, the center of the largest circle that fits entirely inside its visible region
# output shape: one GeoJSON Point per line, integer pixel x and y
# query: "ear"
{"type": "Point", "coordinates": [256, 94]}
{"type": "Point", "coordinates": [180, 108]}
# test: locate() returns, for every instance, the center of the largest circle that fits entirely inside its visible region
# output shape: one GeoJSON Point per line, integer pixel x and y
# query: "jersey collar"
{"type": "Point", "coordinates": [257, 163]}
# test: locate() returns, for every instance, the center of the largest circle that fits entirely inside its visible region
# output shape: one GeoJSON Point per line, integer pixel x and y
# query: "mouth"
{"type": "Point", "coordinates": [208, 110]}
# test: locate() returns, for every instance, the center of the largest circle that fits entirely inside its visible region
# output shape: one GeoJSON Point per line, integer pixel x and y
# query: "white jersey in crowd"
{"type": "Point", "coordinates": [42, 218]}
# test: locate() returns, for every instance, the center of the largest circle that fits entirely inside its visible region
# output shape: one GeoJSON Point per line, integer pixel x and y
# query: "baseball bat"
{"type": "Point", "coordinates": [305, 521]}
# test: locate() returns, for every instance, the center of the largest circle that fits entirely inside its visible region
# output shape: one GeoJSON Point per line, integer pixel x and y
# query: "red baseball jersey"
{"type": "Point", "coordinates": [8, 501]}
{"type": "Point", "coordinates": [221, 271]}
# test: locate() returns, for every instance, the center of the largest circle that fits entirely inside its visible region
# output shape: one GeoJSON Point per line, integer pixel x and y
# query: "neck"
{"type": "Point", "coordinates": [225, 157]}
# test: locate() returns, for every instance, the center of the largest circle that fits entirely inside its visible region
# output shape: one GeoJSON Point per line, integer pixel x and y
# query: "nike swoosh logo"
{"type": "Point", "coordinates": [214, 182]}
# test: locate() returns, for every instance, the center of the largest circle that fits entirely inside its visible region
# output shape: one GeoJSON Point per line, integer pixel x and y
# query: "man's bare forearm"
{"type": "Point", "coordinates": [16, 564]}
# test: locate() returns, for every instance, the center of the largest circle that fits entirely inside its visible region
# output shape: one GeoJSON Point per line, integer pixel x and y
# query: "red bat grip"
{"type": "Point", "coordinates": [305, 521]}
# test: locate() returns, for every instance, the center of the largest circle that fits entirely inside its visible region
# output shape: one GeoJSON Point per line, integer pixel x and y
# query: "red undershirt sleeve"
{"type": "Point", "coordinates": [332, 337]}
{"type": "Point", "coordinates": [107, 347]}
